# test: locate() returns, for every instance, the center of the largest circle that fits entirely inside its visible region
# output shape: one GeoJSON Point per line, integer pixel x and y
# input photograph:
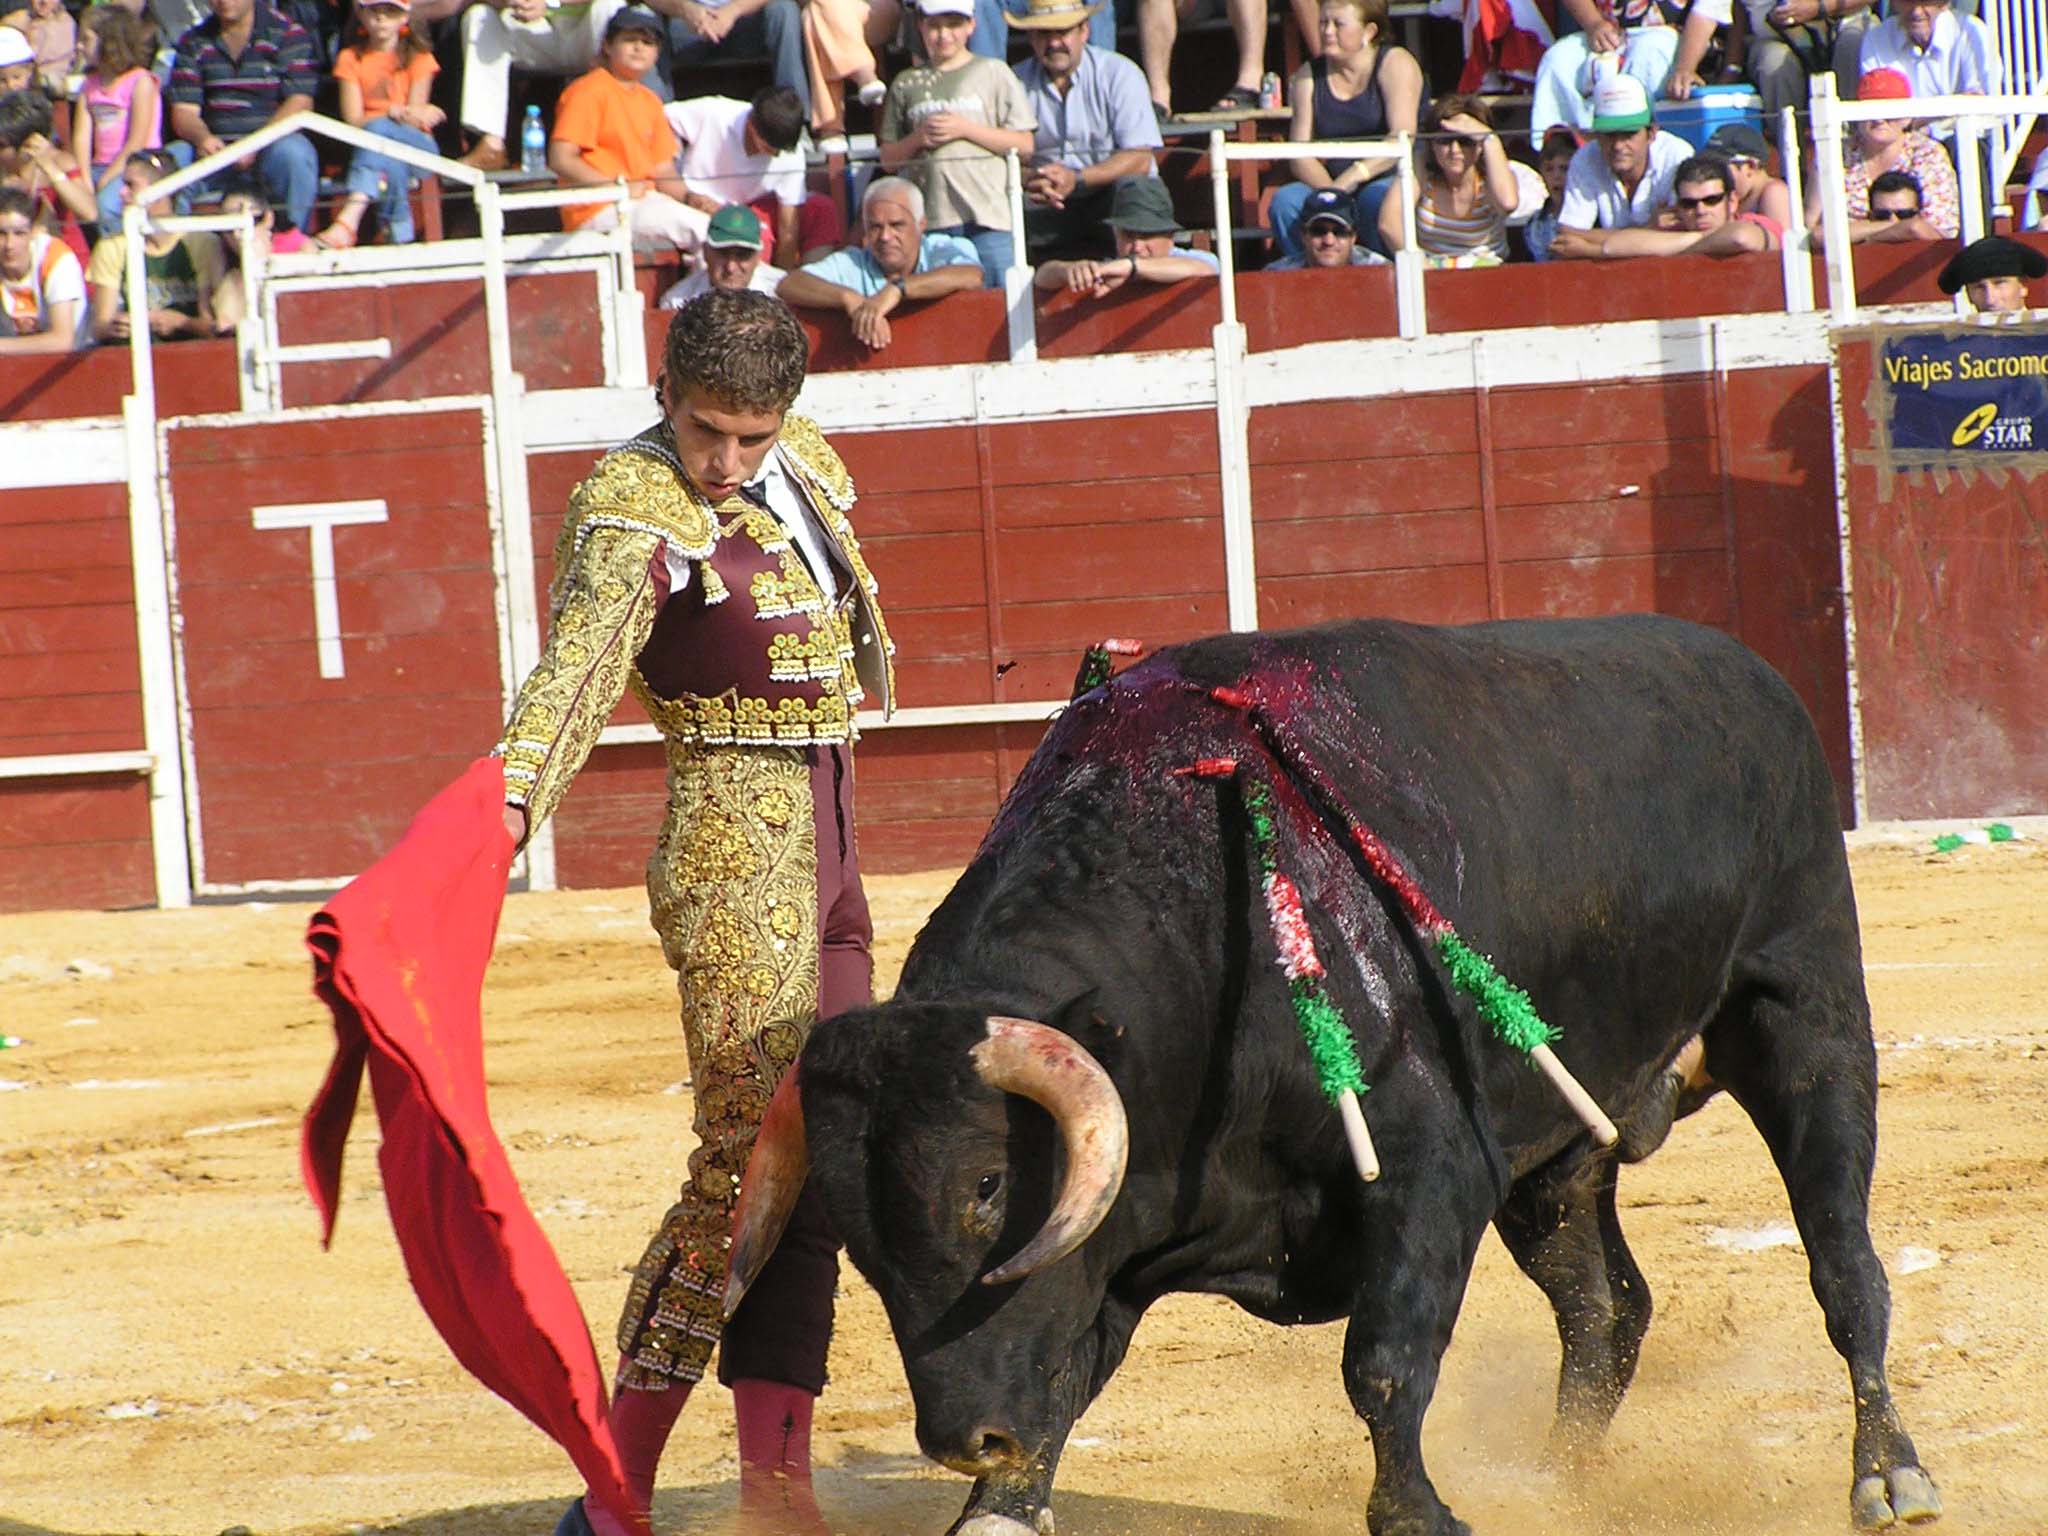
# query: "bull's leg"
{"type": "Point", "coordinates": [1425, 1237]}
{"type": "Point", "coordinates": [1795, 1050]}
{"type": "Point", "coordinates": [1564, 1233]}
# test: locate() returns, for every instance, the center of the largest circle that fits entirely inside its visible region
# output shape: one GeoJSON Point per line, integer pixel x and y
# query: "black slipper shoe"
{"type": "Point", "coordinates": [574, 1522]}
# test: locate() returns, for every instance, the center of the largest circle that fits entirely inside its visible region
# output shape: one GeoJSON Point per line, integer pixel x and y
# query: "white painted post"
{"type": "Point", "coordinates": [170, 853]}
{"type": "Point", "coordinates": [1233, 462]}
{"type": "Point", "coordinates": [1023, 318]}
{"type": "Point", "coordinates": [508, 394]}
{"type": "Point", "coordinates": [1408, 300]}
{"type": "Point", "coordinates": [1226, 249]}
{"type": "Point", "coordinates": [1834, 198]}
{"type": "Point", "coordinates": [1796, 248]}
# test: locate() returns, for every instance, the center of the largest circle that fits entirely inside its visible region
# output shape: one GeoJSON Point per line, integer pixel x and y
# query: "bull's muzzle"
{"type": "Point", "coordinates": [1019, 1056]}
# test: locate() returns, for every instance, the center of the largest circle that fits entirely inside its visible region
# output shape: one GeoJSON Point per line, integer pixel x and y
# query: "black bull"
{"type": "Point", "coordinates": [1632, 816]}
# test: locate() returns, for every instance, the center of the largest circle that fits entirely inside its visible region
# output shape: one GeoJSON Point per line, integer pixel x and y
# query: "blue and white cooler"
{"type": "Point", "coordinates": [1709, 107]}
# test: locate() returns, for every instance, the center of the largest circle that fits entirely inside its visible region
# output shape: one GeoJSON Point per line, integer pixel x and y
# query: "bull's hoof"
{"type": "Point", "coordinates": [1903, 1493]}
{"type": "Point", "coordinates": [1003, 1525]}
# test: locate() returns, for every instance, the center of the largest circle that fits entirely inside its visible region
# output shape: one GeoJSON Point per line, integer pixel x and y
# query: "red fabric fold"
{"type": "Point", "coordinates": [399, 956]}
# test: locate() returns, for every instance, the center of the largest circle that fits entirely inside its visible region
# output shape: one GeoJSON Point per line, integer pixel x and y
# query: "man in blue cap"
{"type": "Point", "coordinates": [1329, 238]}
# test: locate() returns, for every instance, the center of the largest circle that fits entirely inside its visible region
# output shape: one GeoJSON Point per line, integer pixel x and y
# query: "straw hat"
{"type": "Point", "coordinates": [1054, 15]}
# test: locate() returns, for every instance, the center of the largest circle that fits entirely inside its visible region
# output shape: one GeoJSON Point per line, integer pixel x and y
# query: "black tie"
{"type": "Point", "coordinates": [756, 492]}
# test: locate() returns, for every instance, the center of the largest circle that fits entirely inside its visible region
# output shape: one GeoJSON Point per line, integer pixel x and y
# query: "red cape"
{"type": "Point", "coordinates": [399, 956]}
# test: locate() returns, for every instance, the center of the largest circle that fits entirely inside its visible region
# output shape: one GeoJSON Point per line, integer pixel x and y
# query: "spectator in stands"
{"type": "Point", "coordinates": [1465, 187]}
{"type": "Point", "coordinates": [1893, 144]}
{"type": "Point", "coordinates": [1141, 218]}
{"type": "Point", "coordinates": [1362, 87]}
{"type": "Point", "coordinates": [897, 261]}
{"type": "Point", "coordinates": [1094, 129]}
{"type": "Point", "coordinates": [385, 74]}
{"type": "Point", "coordinates": [53, 37]}
{"type": "Point", "coordinates": [1791, 41]}
{"type": "Point", "coordinates": [948, 124]}
{"type": "Point", "coordinates": [119, 109]}
{"type": "Point", "coordinates": [53, 179]}
{"type": "Point", "coordinates": [182, 273]}
{"type": "Point", "coordinates": [746, 152]}
{"type": "Point", "coordinates": [1939, 52]}
{"type": "Point", "coordinates": [42, 287]}
{"type": "Point", "coordinates": [1622, 37]}
{"type": "Point", "coordinates": [1994, 270]}
{"type": "Point", "coordinates": [1159, 25]}
{"type": "Point", "coordinates": [992, 23]}
{"type": "Point", "coordinates": [840, 37]}
{"type": "Point", "coordinates": [1624, 175]}
{"type": "Point", "coordinates": [608, 127]}
{"type": "Point", "coordinates": [241, 68]}
{"type": "Point", "coordinates": [1554, 163]}
{"type": "Point", "coordinates": [1328, 237]}
{"type": "Point", "coordinates": [17, 60]}
{"type": "Point", "coordinates": [1707, 223]}
{"type": "Point", "coordinates": [1749, 158]}
{"type": "Point", "coordinates": [732, 259]}
{"type": "Point", "coordinates": [501, 35]}
{"type": "Point", "coordinates": [741, 29]}
{"type": "Point", "coordinates": [1895, 199]}
{"type": "Point", "coordinates": [272, 234]}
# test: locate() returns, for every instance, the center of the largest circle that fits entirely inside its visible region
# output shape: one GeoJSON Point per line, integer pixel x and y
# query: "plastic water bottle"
{"type": "Point", "coordinates": [533, 144]}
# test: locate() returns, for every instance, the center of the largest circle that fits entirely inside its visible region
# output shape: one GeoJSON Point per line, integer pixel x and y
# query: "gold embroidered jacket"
{"type": "Point", "coordinates": [742, 650]}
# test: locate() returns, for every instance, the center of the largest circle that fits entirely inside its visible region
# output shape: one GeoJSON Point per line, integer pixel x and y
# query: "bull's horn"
{"type": "Point", "coordinates": [776, 1170]}
{"type": "Point", "coordinates": [1056, 1073]}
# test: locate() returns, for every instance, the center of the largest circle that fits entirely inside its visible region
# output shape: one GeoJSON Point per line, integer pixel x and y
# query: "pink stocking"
{"type": "Point", "coordinates": [640, 1424]}
{"type": "Point", "coordinates": [775, 1452]}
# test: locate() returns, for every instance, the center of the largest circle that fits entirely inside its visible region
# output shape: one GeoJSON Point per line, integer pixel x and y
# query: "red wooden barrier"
{"type": "Point", "coordinates": [308, 759]}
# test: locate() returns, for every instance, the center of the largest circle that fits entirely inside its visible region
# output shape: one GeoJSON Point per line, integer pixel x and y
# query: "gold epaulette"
{"type": "Point", "coordinates": [819, 461]}
{"type": "Point", "coordinates": [639, 491]}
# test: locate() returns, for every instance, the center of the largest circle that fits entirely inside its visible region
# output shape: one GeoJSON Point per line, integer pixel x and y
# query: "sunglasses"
{"type": "Point", "coordinates": [1711, 200]}
{"type": "Point", "coordinates": [1894, 213]}
{"type": "Point", "coordinates": [1328, 227]}
{"type": "Point", "coordinates": [1458, 141]}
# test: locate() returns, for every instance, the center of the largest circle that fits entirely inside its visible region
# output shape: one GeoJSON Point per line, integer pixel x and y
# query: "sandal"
{"type": "Point", "coordinates": [1239, 98]}
{"type": "Point", "coordinates": [335, 237]}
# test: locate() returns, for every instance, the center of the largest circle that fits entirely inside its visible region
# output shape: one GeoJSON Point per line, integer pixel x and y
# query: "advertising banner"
{"type": "Point", "coordinates": [1964, 394]}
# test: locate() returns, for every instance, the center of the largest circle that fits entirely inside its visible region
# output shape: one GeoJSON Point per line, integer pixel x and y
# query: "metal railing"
{"type": "Point", "coordinates": [2019, 33]}
{"type": "Point", "coordinates": [1974, 117]}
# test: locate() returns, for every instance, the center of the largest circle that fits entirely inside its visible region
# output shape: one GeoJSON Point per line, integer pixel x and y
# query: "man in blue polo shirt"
{"type": "Point", "coordinates": [242, 67]}
{"type": "Point", "coordinates": [895, 263]}
{"type": "Point", "coordinates": [1095, 127]}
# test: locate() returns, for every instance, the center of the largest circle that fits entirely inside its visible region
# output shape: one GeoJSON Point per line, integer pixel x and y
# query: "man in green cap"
{"type": "Point", "coordinates": [1994, 272]}
{"type": "Point", "coordinates": [732, 259]}
{"type": "Point", "coordinates": [1141, 221]}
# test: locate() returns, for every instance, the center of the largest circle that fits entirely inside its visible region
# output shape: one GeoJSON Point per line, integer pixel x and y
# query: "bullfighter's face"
{"type": "Point", "coordinates": [1999, 293]}
{"type": "Point", "coordinates": [721, 448]}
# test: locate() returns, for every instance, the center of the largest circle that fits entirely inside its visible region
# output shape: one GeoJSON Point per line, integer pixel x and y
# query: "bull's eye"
{"type": "Point", "coordinates": [985, 1191]}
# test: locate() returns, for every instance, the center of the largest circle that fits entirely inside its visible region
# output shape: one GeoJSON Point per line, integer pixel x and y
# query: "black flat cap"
{"type": "Point", "coordinates": [1993, 256]}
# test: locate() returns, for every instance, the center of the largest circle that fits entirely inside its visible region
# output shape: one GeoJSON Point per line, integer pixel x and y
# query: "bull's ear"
{"type": "Point", "coordinates": [1086, 1020]}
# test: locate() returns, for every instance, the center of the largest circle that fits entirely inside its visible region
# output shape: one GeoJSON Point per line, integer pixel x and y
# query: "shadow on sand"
{"type": "Point", "coordinates": [855, 1504]}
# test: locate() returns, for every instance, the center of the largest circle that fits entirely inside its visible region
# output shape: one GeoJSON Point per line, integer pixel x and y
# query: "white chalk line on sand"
{"type": "Point", "coordinates": [231, 1126]}
{"type": "Point", "coordinates": [1947, 965]}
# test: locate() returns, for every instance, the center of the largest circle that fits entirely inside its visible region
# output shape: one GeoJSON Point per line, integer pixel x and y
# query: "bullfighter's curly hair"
{"type": "Point", "coordinates": [743, 349]}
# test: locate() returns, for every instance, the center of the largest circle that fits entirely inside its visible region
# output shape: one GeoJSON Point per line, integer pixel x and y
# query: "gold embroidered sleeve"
{"type": "Point", "coordinates": [604, 611]}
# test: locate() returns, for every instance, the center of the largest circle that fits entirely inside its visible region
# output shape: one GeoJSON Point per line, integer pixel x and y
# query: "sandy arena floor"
{"type": "Point", "coordinates": [178, 1356]}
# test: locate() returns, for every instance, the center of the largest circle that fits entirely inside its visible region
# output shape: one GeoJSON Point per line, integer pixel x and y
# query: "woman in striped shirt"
{"type": "Point", "coordinates": [1466, 187]}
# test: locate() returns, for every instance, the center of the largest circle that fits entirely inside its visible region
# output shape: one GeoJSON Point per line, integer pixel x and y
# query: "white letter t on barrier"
{"type": "Point", "coordinates": [321, 518]}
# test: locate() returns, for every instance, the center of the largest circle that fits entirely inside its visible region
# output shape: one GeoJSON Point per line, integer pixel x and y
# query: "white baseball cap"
{"type": "Point", "coordinates": [945, 7]}
{"type": "Point", "coordinates": [15, 48]}
{"type": "Point", "coordinates": [1620, 105]}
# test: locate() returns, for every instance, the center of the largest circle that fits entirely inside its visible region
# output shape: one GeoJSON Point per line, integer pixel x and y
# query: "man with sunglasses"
{"type": "Point", "coordinates": [1328, 236]}
{"type": "Point", "coordinates": [1707, 221]}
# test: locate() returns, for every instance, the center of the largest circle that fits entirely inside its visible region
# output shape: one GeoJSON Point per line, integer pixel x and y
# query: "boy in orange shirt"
{"type": "Point", "coordinates": [609, 126]}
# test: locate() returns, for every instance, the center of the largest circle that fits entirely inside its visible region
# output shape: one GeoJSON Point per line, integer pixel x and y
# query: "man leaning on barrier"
{"type": "Point", "coordinates": [896, 261]}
